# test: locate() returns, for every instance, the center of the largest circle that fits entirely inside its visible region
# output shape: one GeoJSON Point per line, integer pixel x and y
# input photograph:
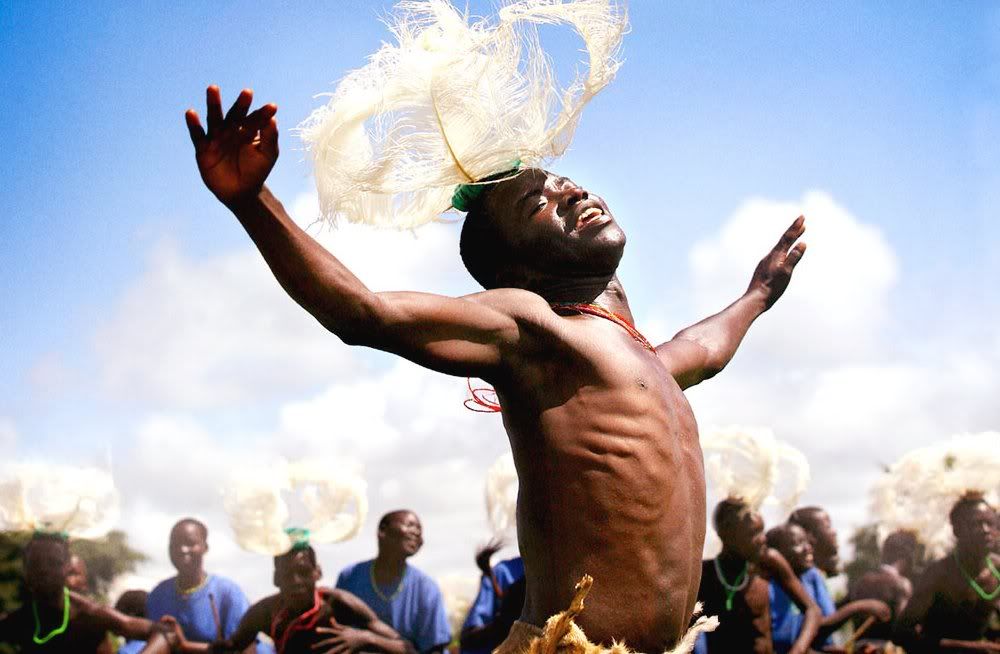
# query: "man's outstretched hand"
{"type": "Point", "coordinates": [775, 270]}
{"type": "Point", "coordinates": [240, 148]}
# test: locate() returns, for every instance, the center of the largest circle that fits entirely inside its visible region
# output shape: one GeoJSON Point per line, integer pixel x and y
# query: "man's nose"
{"type": "Point", "coordinates": [574, 194]}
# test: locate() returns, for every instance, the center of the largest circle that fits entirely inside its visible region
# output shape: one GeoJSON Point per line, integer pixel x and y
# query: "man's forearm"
{"type": "Point", "coordinates": [312, 276]}
{"type": "Point", "coordinates": [810, 627]}
{"type": "Point", "coordinates": [721, 334]}
{"type": "Point", "coordinates": [380, 643]}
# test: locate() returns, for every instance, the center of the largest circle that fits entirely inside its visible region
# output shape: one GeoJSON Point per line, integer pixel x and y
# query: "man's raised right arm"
{"type": "Point", "coordinates": [461, 336]}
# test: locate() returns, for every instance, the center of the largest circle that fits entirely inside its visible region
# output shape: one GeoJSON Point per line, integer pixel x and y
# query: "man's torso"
{"type": "Point", "coordinates": [746, 626]}
{"type": "Point", "coordinates": [611, 484]}
{"type": "Point", "coordinates": [958, 611]}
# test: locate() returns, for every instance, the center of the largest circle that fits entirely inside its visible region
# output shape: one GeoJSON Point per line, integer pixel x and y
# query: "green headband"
{"type": "Point", "coordinates": [467, 194]}
{"type": "Point", "coordinates": [62, 535]}
{"type": "Point", "coordinates": [299, 536]}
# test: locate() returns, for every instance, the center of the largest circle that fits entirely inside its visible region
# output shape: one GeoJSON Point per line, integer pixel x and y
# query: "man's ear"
{"type": "Point", "coordinates": [274, 579]}
{"type": "Point", "coordinates": [317, 573]}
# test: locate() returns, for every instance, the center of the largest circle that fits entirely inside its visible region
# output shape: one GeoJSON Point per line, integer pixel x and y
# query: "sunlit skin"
{"type": "Point", "coordinates": [47, 565]}
{"type": "Point", "coordinates": [187, 549]}
{"type": "Point", "coordinates": [794, 544]}
{"type": "Point", "coordinates": [823, 538]}
{"type": "Point", "coordinates": [747, 627]}
{"type": "Point", "coordinates": [401, 538]}
{"type": "Point", "coordinates": [604, 441]}
{"type": "Point", "coordinates": [944, 604]}
{"type": "Point", "coordinates": [351, 627]}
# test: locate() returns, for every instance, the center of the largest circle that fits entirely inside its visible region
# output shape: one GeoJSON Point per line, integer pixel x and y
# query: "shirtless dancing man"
{"type": "Point", "coordinates": [605, 443]}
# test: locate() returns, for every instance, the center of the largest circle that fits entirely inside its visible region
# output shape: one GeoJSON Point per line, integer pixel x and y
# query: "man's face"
{"type": "Point", "coordinates": [976, 528]}
{"type": "Point", "coordinates": [746, 537]}
{"type": "Point", "coordinates": [798, 550]}
{"type": "Point", "coordinates": [823, 538]}
{"type": "Point", "coordinates": [295, 575]}
{"type": "Point", "coordinates": [46, 566]}
{"type": "Point", "coordinates": [550, 221]}
{"type": "Point", "coordinates": [404, 534]}
{"type": "Point", "coordinates": [187, 547]}
{"type": "Point", "coordinates": [76, 579]}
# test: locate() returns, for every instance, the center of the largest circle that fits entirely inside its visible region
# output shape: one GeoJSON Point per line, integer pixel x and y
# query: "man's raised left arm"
{"type": "Point", "coordinates": [700, 351]}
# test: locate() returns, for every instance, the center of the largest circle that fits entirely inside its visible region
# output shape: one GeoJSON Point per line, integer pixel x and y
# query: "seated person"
{"type": "Point", "coordinates": [957, 596]}
{"type": "Point", "coordinates": [303, 619]}
{"type": "Point", "coordinates": [55, 619]}
{"type": "Point", "coordinates": [734, 587]}
{"type": "Point", "coordinates": [133, 603]}
{"type": "Point", "coordinates": [889, 582]}
{"type": "Point", "coordinates": [786, 621]}
{"type": "Point", "coordinates": [498, 604]}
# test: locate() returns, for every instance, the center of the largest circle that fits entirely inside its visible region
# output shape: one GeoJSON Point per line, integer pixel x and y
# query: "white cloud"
{"type": "Point", "coordinates": [836, 303]}
{"type": "Point", "coordinates": [219, 331]}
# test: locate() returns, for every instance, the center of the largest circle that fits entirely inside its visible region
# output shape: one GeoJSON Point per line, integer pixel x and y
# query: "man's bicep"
{"type": "Point", "coordinates": [686, 361]}
{"type": "Point", "coordinates": [459, 336]}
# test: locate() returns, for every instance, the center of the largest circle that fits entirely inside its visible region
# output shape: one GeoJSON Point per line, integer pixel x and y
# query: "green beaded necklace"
{"type": "Point", "coordinates": [988, 597]}
{"type": "Point", "coordinates": [39, 640]}
{"type": "Point", "coordinates": [736, 586]}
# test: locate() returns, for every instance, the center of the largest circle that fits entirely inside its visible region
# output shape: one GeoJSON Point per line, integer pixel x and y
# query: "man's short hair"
{"type": "Point", "coordinates": [778, 537]}
{"type": "Point", "coordinates": [133, 603]}
{"type": "Point", "coordinates": [282, 559]}
{"type": "Point", "coordinates": [199, 525]}
{"type": "Point", "coordinates": [44, 538]}
{"type": "Point", "coordinates": [390, 516]}
{"type": "Point", "coordinates": [730, 512]}
{"type": "Point", "coordinates": [968, 503]}
{"type": "Point", "coordinates": [806, 517]}
{"type": "Point", "coordinates": [483, 249]}
{"type": "Point", "coordinates": [898, 546]}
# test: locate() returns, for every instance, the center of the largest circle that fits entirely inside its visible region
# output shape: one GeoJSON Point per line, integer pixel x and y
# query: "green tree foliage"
{"type": "Point", "coordinates": [106, 559]}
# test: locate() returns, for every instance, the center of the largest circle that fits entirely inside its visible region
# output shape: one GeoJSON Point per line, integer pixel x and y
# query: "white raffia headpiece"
{"type": "Point", "coordinates": [501, 495]}
{"type": "Point", "coordinates": [459, 591]}
{"type": "Point", "coordinates": [81, 502]}
{"type": "Point", "coordinates": [750, 464]}
{"type": "Point", "coordinates": [334, 495]}
{"type": "Point", "coordinates": [917, 492]}
{"type": "Point", "coordinates": [450, 103]}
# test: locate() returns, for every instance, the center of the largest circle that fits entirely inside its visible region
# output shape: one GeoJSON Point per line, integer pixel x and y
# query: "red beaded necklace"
{"type": "Point", "coordinates": [485, 400]}
{"type": "Point", "coordinates": [304, 622]}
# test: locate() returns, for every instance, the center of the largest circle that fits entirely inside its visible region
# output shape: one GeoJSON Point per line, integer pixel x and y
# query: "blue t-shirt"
{"type": "Point", "coordinates": [484, 609]}
{"type": "Point", "coordinates": [132, 647]}
{"type": "Point", "coordinates": [786, 618]}
{"type": "Point", "coordinates": [417, 611]}
{"type": "Point", "coordinates": [194, 611]}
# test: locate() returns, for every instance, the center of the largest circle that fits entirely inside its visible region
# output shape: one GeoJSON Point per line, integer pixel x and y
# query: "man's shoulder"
{"type": "Point", "coordinates": [354, 571]}
{"type": "Point", "coordinates": [163, 589]}
{"type": "Point", "coordinates": [422, 580]}
{"type": "Point", "coordinates": [224, 584]}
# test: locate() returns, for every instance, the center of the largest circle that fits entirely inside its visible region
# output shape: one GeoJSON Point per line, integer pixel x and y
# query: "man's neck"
{"type": "Point", "coordinates": [972, 559]}
{"type": "Point", "coordinates": [53, 600]}
{"type": "Point", "coordinates": [189, 580]}
{"type": "Point", "coordinates": [388, 569]}
{"type": "Point", "coordinates": [604, 291]}
{"type": "Point", "coordinates": [731, 563]}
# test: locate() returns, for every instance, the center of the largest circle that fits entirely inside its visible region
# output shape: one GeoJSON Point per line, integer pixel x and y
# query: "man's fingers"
{"type": "Point", "coordinates": [269, 139]}
{"type": "Point", "coordinates": [213, 99]}
{"type": "Point", "coordinates": [794, 231]}
{"type": "Point", "coordinates": [194, 128]}
{"type": "Point", "coordinates": [240, 108]}
{"type": "Point", "coordinates": [794, 255]}
{"type": "Point", "coordinates": [256, 121]}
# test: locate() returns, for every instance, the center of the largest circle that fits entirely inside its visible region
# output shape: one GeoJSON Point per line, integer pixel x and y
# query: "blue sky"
{"type": "Point", "coordinates": [893, 111]}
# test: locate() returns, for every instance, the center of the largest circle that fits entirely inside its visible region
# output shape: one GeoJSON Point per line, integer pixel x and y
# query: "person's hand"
{"type": "Point", "coordinates": [171, 629]}
{"type": "Point", "coordinates": [775, 270]}
{"type": "Point", "coordinates": [342, 640]}
{"type": "Point", "coordinates": [879, 610]}
{"type": "Point", "coordinates": [239, 150]}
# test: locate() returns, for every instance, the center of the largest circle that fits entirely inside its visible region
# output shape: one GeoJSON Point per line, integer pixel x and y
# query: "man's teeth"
{"type": "Point", "coordinates": [590, 213]}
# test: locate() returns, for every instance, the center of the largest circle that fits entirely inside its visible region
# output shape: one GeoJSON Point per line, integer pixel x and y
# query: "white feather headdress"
{"type": "Point", "coordinates": [917, 492]}
{"type": "Point", "coordinates": [79, 501]}
{"type": "Point", "coordinates": [501, 495]}
{"type": "Point", "coordinates": [452, 102]}
{"type": "Point", "coordinates": [333, 494]}
{"type": "Point", "coordinates": [750, 464]}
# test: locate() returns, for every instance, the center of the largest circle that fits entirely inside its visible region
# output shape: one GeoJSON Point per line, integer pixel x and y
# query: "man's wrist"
{"type": "Point", "coordinates": [245, 201]}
